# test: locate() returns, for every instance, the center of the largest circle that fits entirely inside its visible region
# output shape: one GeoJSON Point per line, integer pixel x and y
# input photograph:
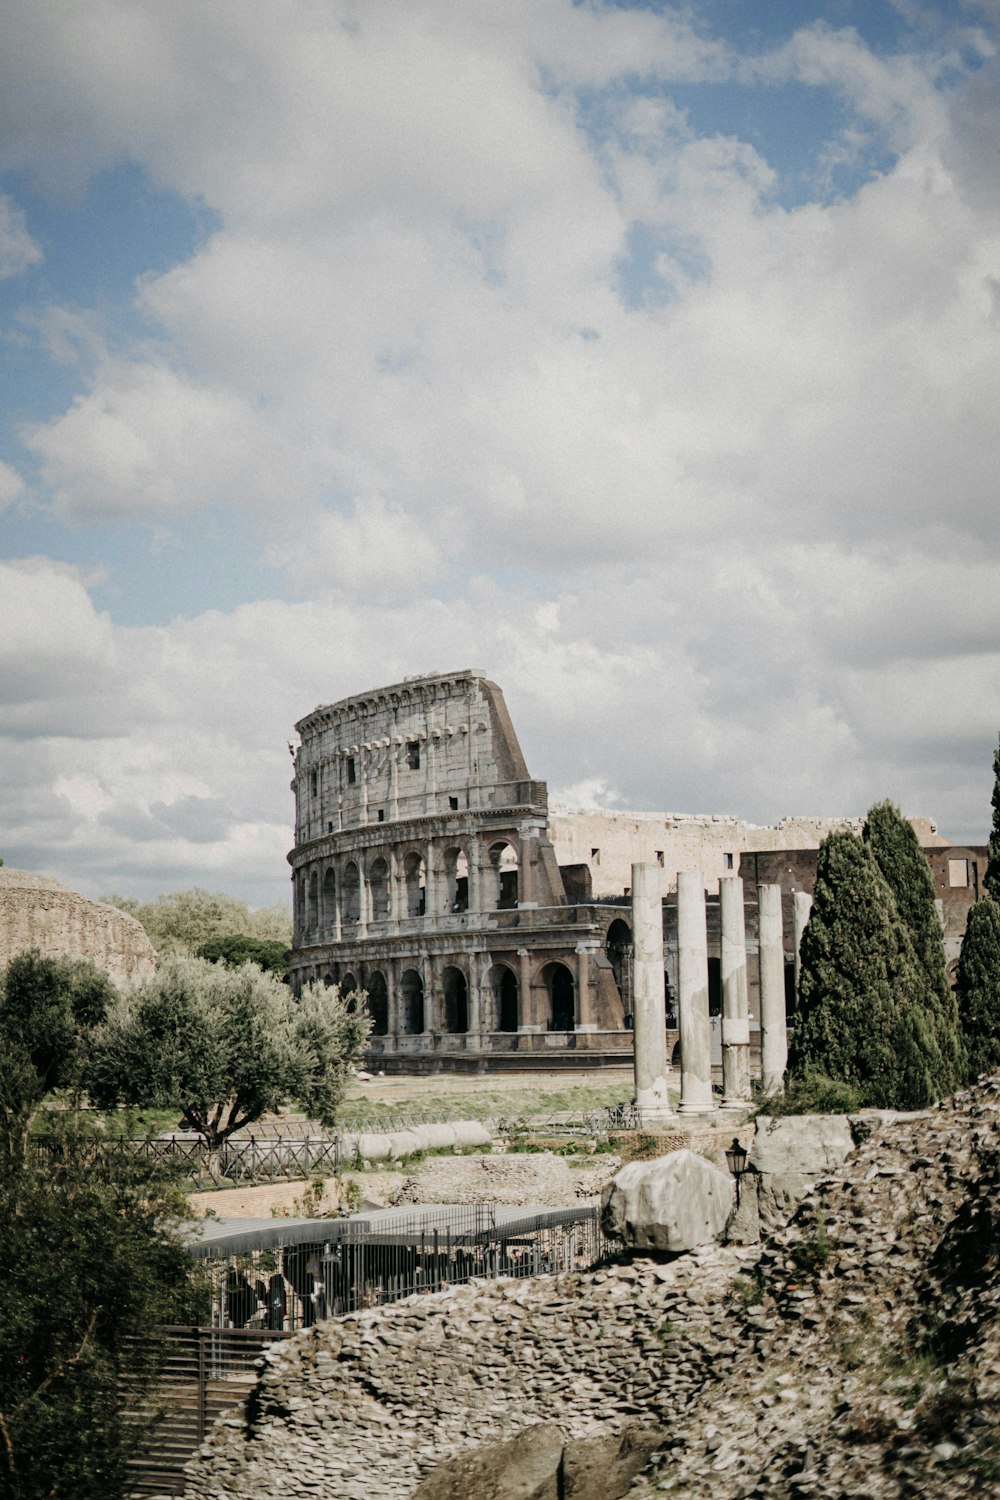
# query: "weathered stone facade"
{"type": "Point", "coordinates": [38, 912]}
{"type": "Point", "coordinates": [423, 873]}
{"type": "Point", "coordinates": [429, 870]}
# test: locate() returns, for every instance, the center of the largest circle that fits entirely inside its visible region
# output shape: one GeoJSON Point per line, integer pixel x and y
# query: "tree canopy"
{"type": "Point", "coordinates": [907, 872]}
{"type": "Point", "coordinates": [238, 948]}
{"type": "Point", "coordinates": [991, 880]}
{"type": "Point", "coordinates": [977, 985]}
{"type": "Point", "coordinates": [49, 1010]}
{"type": "Point", "coordinates": [861, 1017]}
{"type": "Point", "coordinates": [93, 1264]}
{"type": "Point", "coordinates": [225, 1046]}
{"type": "Point", "coordinates": [182, 921]}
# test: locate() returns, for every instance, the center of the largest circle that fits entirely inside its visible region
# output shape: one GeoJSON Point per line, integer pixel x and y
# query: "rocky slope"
{"type": "Point", "coordinates": [857, 1355]}
{"type": "Point", "coordinates": [869, 1361]}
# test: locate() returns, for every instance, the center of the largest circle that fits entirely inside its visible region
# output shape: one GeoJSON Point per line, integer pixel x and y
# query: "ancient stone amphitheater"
{"type": "Point", "coordinates": [38, 912]}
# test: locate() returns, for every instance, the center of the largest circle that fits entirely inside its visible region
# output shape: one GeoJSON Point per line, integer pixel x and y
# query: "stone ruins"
{"type": "Point", "coordinates": [38, 912]}
{"type": "Point", "coordinates": [429, 870]}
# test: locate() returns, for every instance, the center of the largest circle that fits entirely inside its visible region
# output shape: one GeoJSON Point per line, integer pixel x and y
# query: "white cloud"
{"type": "Point", "coordinates": [729, 542]}
{"type": "Point", "coordinates": [17, 249]}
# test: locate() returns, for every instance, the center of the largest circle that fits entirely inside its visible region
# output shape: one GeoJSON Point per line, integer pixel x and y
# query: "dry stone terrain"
{"type": "Point", "coordinates": [857, 1355]}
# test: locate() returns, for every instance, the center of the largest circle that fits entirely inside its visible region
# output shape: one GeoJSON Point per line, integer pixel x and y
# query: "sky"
{"type": "Point", "coordinates": [646, 356]}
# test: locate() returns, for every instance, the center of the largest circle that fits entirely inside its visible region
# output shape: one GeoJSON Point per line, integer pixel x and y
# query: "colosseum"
{"type": "Point", "coordinates": [488, 929]}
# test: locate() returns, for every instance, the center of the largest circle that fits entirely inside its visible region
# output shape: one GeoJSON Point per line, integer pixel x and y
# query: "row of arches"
{"type": "Point", "coordinates": [408, 1008]}
{"type": "Point", "coordinates": [399, 886]}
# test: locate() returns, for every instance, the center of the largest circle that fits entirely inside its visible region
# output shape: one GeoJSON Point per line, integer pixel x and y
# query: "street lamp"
{"type": "Point", "coordinates": [736, 1161]}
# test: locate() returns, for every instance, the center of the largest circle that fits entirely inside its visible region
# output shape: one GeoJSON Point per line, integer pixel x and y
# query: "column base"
{"type": "Point", "coordinates": [735, 1104]}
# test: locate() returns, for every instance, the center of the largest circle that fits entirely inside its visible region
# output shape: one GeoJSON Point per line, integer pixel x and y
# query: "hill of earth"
{"type": "Point", "coordinates": [856, 1353]}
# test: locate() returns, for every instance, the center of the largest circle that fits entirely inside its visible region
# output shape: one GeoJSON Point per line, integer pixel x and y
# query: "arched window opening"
{"type": "Point", "coordinates": [349, 990]}
{"type": "Point", "coordinates": [456, 1000]}
{"type": "Point", "coordinates": [415, 877]}
{"type": "Point", "coordinates": [329, 900]}
{"type": "Point", "coordinates": [312, 912]}
{"type": "Point", "coordinates": [561, 990]}
{"type": "Point", "coordinates": [351, 894]}
{"type": "Point", "coordinates": [503, 862]}
{"type": "Point", "coordinates": [378, 1002]}
{"type": "Point", "coordinates": [503, 984]}
{"type": "Point", "coordinates": [456, 869]}
{"type": "Point", "coordinates": [378, 880]}
{"type": "Point", "coordinates": [411, 991]}
{"type": "Point", "coordinates": [619, 946]}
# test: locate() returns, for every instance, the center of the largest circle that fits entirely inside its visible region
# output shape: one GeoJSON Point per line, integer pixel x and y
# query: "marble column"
{"type": "Point", "coordinates": [735, 1010]}
{"type": "Point", "coordinates": [801, 907]}
{"type": "Point", "coordinates": [584, 993]}
{"type": "Point", "coordinates": [692, 998]}
{"type": "Point", "coordinates": [525, 999]}
{"type": "Point", "coordinates": [771, 943]}
{"type": "Point", "coordinates": [649, 1036]}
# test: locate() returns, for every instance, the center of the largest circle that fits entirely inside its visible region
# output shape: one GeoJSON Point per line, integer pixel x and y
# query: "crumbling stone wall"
{"type": "Point", "coordinates": [38, 912]}
{"type": "Point", "coordinates": [366, 1406]}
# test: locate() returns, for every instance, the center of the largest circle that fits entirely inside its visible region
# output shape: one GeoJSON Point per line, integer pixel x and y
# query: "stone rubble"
{"type": "Point", "coordinates": [857, 1354]}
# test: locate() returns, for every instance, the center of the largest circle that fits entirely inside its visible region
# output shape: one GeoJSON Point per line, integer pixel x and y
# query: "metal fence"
{"type": "Point", "coordinates": [367, 1262]}
{"type": "Point", "coordinates": [204, 1372]}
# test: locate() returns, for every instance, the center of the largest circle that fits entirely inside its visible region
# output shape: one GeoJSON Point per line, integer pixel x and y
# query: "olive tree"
{"type": "Point", "coordinates": [225, 1046]}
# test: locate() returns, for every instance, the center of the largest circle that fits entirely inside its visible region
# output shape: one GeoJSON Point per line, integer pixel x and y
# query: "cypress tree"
{"type": "Point", "coordinates": [904, 866]}
{"type": "Point", "coordinates": [991, 880]}
{"type": "Point", "coordinates": [978, 987]}
{"type": "Point", "coordinates": [860, 1018]}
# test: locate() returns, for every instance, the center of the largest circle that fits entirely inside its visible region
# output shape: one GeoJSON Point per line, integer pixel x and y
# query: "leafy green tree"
{"type": "Point", "coordinates": [860, 1010]}
{"type": "Point", "coordinates": [182, 921]}
{"type": "Point", "coordinates": [905, 867]}
{"type": "Point", "coordinates": [49, 1009]}
{"type": "Point", "coordinates": [978, 987]}
{"type": "Point", "coordinates": [991, 880]}
{"type": "Point", "coordinates": [239, 948]}
{"type": "Point", "coordinates": [225, 1046]}
{"type": "Point", "coordinates": [92, 1263]}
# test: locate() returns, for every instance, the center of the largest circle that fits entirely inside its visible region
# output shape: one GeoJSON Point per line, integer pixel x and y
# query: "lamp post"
{"type": "Point", "coordinates": [736, 1161]}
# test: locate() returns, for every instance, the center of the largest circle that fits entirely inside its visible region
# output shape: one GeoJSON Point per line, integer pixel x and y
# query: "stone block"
{"type": "Point", "coordinates": [673, 1203]}
{"type": "Point", "coordinates": [814, 1144]}
{"type": "Point", "coordinates": [603, 1467]}
{"type": "Point", "coordinates": [525, 1467]}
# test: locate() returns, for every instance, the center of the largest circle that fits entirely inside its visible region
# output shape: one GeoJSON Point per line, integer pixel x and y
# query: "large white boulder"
{"type": "Point", "coordinates": [674, 1203]}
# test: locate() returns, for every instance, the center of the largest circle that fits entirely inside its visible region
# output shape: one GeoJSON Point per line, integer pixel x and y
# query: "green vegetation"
{"type": "Point", "coordinates": [184, 921]}
{"type": "Point", "coordinates": [991, 880]}
{"type": "Point", "coordinates": [49, 1010]}
{"type": "Point", "coordinates": [978, 986]}
{"type": "Point", "coordinates": [518, 1104]}
{"type": "Point", "coordinates": [93, 1263]}
{"type": "Point", "coordinates": [904, 866]}
{"type": "Point", "coordinates": [225, 1046]}
{"type": "Point", "coordinates": [867, 1015]}
{"type": "Point", "coordinates": [237, 948]}
{"type": "Point", "coordinates": [812, 1094]}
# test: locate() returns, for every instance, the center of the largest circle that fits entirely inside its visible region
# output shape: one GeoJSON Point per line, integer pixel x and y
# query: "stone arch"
{"type": "Point", "coordinates": [378, 884]}
{"type": "Point", "coordinates": [455, 991]}
{"type": "Point", "coordinates": [619, 949]}
{"type": "Point", "coordinates": [503, 985]}
{"type": "Point", "coordinates": [456, 872]}
{"type": "Point", "coordinates": [349, 990]}
{"type": "Point", "coordinates": [503, 861]}
{"type": "Point", "coordinates": [561, 990]}
{"type": "Point", "coordinates": [378, 1002]}
{"type": "Point", "coordinates": [351, 894]}
{"type": "Point", "coordinates": [415, 881]}
{"type": "Point", "coordinates": [411, 992]}
{"type": "Point", "coordinates": [329, 898]}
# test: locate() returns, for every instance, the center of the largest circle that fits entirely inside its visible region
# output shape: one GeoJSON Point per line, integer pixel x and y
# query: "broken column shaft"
{"type": "Point", "coordinates": [735, 1009]}
{"type": "Point", "coordinates": [649, 1036]}
{"type": "Point", "coordinates": [692, 997]}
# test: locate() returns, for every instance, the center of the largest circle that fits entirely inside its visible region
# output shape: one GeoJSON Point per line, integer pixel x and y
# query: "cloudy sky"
{"type": "Point", "coordinates": [646, 356]}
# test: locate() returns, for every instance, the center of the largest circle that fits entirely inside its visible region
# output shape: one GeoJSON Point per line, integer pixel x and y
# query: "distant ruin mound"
{"type": "Point", "coordinates": [38, 912]}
